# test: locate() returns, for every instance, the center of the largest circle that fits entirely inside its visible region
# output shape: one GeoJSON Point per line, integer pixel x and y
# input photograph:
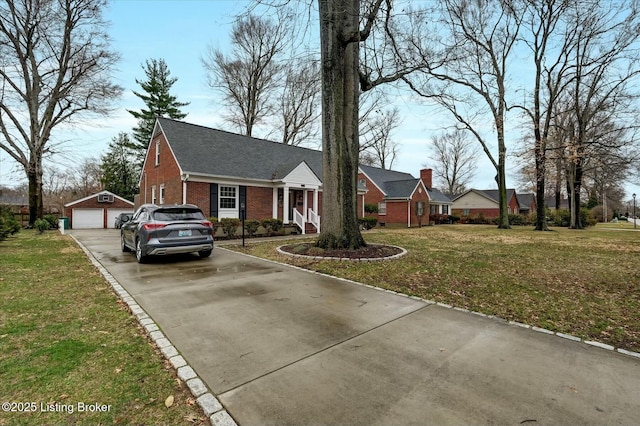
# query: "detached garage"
{"type": "Point", "coordinates": [96, 211]}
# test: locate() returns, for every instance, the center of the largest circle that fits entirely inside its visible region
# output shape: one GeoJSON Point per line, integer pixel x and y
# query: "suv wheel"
{"type": "Point", "coordinates": [123, 246]}
{"type": "Point", "coordinates": [205, 253]}
{"type": "Point", "coordinates": [139, 255]}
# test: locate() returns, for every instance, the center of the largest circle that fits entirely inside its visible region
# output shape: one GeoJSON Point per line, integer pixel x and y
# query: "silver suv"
{"type": "Point", "coordinates": [159, 230]}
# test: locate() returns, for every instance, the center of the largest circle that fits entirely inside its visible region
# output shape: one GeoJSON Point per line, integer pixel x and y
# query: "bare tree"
{"type": "Point", "coordinates": [55, 66]}
{"type": "Point", "coordinates": [377, 147]}
{"type": "Point", "coordinates": [605, 69]}
{"type": "Point", "coordinates": [454, 158]}
{"type": "Point", "coordinates": [549, 42]}
{"type": "Point", "coordinates": [248, 76]}
{"type": "Point", "coordinates": [298, 109]}
{"type": "Point", "coordinates": [467, 75]}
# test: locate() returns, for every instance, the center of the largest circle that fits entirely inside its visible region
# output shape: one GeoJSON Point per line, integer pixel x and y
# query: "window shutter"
{"type": "Point", "coordinates": [213, 200]}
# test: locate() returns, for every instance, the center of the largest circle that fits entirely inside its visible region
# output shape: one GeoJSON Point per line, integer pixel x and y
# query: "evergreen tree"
{"type": "Point", "coordinates": [120, 172]}
{"type": "Point", "coordinates": [159, 103]}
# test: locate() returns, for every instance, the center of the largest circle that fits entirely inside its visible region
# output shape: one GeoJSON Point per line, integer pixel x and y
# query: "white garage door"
{"type": "Point", "coordinates": [87, 218]}
{"type": "Point", "coordinates": [113, 213]}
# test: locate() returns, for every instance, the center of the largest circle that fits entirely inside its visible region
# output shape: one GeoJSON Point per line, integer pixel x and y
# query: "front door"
{"type": "Point", "coordinates": [296, 200]}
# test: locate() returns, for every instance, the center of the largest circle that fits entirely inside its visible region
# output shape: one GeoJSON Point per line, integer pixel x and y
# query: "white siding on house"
{"type": "Point", "coordinates": [473, 200]}
{"type": "Point", "coordinates": [302, 175]}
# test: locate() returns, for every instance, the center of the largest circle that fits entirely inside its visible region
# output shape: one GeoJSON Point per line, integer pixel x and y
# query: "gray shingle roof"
{"type": "Point", "coordinates": [206, 151]}
{"type": "Point", "coordinates": [400, 188]}
{"type": "Point", "coordinates": [202, 150]}
{"type": "Point", "coordinates": [438, 197]}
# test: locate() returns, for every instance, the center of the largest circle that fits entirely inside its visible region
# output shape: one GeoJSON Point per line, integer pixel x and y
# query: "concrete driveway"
{"type": "Point", "coordinates": [278, 345]}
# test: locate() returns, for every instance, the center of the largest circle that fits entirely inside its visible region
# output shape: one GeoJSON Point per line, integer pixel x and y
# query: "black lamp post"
{"type": "Point", "coordinates": [243, 213]}
{"type": "Point", "coordinates": [634, 211]}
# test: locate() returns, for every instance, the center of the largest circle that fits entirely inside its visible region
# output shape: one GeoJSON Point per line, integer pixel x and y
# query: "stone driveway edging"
{"type": "Point", "coordinates": [212, 408]}
{"type": "Point", "coordinates": [443, 305]}
{"type": "Point", "coordinates": [345, 259]}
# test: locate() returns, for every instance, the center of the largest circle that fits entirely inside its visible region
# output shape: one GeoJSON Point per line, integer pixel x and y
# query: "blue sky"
{"type": "Point", "coordinates": [179, 31]}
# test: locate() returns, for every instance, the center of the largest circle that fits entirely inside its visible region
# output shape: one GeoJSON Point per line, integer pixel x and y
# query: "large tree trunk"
{"type": "Point", "coordinates": [576, 188]}
{"type": "Point", "coordinates": [503, 212]}
{"type": "Point", "coordinates": [34, 177]}
{"type": "Point", "coordinates": [541, 171]}
{"type": "Point", "coordinates": [339, 20]}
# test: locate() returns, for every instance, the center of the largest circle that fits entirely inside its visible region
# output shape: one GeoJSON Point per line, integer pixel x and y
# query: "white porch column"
{"type": "Point", "coordinates": [315, 201]}
{"type": "Point", "coordinates": [274, 203]}
{"type": "Point", "coordinates": [286, 214]}
{"type": "Point", "coordinates": [305, 203]}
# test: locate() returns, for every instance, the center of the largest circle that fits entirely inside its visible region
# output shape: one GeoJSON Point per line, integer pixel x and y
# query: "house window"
{"type": "Point", "coordinates": [445, 209]}
{"type": "Point", "coordinates": [382, 207]}
{"type": "Point", "coordinates": [465, 212]}
{"type": "Point", "coordinates": [228, 197]}
{"type": "Point", "coordinates": [162, 194]}
{"type": "Point", "coordinates": [157, 153]}
{"type": "Point", "coordinates": [433, 209]}
{"type": "Point", "coordinates": [153, 194]}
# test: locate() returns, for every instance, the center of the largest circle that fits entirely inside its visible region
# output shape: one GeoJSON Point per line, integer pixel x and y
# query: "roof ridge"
{"type": "Point", "coordinates": [237, 134]}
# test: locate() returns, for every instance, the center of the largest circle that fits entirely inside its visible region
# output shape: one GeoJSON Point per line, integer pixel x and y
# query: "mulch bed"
{"type": "Point", "coordinates": [371, 251]}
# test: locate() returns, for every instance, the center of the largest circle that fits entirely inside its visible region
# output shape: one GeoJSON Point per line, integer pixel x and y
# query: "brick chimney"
{"type": "Point", "coordinates": [426, 176]}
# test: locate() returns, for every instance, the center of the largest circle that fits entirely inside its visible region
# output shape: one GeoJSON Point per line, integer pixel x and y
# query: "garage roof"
{"type": "Point", "coordinates": [96, 195]}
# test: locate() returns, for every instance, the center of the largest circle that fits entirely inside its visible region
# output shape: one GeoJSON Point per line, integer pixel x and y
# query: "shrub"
{"type": "Point", "coordinates": [367, 222]}
{"type": "Point", "coordinates": [251, 226]}
{"type": "Point", "coordinates": [597, 213]}
{"type": "Point", "coordinates": [370, 208]}
{"type": "Point", "coordinates": [439, 219]}
{"type": "Point", "coordinates": [41, 225]}
{"type": "Point", "coordinates": [8, 223]}
{"type": "Point", "coordinates": [230, 226]}
{"type": "Point", "coordinates": [560, 218]}
{"type": "Point", "coordinates": [586, 218]}
{"type": "Point", "coordinates": [271, 225]}
{"type": "Point", "coordinates": [52, 220]}
{"type": "Point", "coordinates": [519, 219]}
{"type": "Point", "coordinates": [454, 219]}
{"type": "Point", "coordinates": [563, 218]}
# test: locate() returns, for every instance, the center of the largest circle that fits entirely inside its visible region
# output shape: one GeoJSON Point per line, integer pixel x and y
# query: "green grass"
{"type": "Point", "coordinates": [585, 283]}
{"type": "Point", "coordinates": [66, 339]}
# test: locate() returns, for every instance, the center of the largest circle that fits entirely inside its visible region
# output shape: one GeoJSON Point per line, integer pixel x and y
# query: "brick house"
{"type": "Point", "coordinates": [479, 201]}
{"type": "Point", "coordinates": [401, 198]}
{"type": "Point", "coordinates": [223, 172]}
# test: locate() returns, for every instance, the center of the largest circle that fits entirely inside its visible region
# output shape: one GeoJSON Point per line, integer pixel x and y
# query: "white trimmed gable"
{"type": "Point", "coordinates": [302, 175]}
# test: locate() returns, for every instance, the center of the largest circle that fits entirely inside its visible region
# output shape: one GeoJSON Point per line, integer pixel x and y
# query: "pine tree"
{"type": "Point", "coordinates": [120, 172]}
{"type": "Point", "coordinates": [159, 103]}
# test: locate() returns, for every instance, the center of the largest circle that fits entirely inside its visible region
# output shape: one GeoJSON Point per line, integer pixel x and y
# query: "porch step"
{"type": "Point", "coordinates": [310, 229]}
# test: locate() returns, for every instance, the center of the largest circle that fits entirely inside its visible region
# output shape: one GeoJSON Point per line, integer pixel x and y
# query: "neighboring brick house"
{"type": "Point", "coordinates": [401, 198]}
{"type": "Point", "coordinates": [221, 172]}
{"type": "Point", "coordinates": [527, 203]}
{"type": "Point", "coordinates": [485, 202]}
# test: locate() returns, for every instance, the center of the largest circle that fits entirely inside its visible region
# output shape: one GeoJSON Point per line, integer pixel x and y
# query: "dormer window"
{"type": "Point", "coordinates": [157, 153]}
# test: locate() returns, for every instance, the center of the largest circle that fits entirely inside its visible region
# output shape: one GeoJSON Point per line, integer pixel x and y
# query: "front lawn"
{"type": "Point", "coordinates": [584, 283]}
{"type": "Point", "coordinates": [71, 353]}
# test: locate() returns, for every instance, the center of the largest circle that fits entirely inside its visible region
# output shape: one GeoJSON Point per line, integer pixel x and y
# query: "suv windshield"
{"type": "Point", "coordinates": [170, 215]}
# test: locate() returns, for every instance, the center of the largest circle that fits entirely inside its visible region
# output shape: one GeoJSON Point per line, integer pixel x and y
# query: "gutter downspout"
{"type": "Point", "coordinates": [185, 178]}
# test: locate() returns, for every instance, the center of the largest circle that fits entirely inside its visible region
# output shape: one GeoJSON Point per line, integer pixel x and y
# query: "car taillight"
{"type": "Point", "coordinates": [153, 226]}
{"type": "Point", "coordinates": [208, 225]}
